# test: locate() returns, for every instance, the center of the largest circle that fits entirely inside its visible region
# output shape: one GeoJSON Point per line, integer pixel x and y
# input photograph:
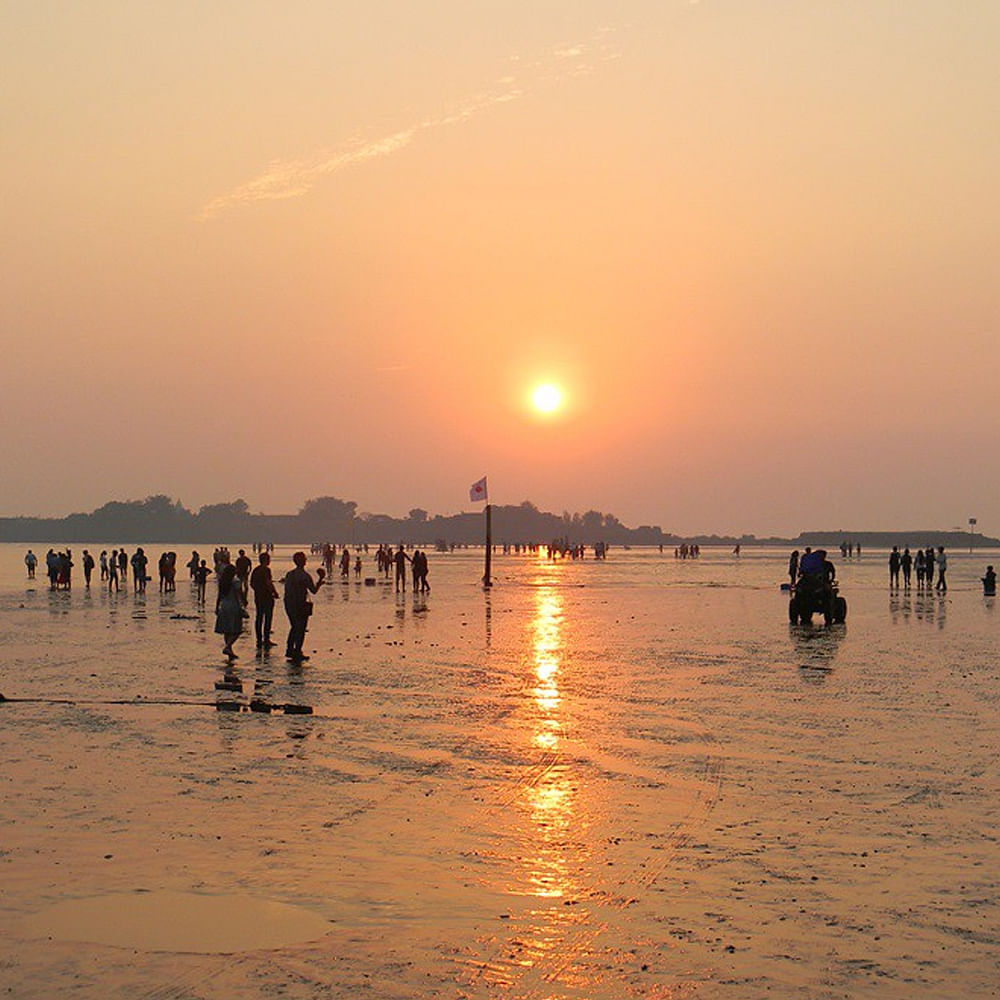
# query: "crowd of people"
{"type": "Point", "coordinates": [923, 564]}
{"type": "Point", "coordinates": [237, 579]}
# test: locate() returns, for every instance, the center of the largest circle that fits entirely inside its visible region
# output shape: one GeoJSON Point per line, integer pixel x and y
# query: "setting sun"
{"type": "Point", "coordinates": [547, 398]}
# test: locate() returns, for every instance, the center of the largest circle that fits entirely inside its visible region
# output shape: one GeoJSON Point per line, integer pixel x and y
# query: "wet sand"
{"type": "Point", "coordinates": [601, 780]}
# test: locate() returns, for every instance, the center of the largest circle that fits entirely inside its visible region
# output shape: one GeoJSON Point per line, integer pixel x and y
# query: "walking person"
{"type": "Point", "coordinates": [298, 586]}
{"type": "Point", "coordinates": [31, 561]}
{"type": "Point", "coordinates": [264, 594]}
{"type": "Point", "coordinates": [113, 571]}
{"type": "Point", "coordinates": [942, 565]}
{"type": "Point", "coordinates": [229, 610]}
{"type": "Point", "coordinates": [400, 559]}
{"type": "Point", "coordinates": [243, 567]}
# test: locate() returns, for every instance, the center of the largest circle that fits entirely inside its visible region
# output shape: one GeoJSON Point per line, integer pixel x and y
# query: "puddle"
{"type": "Point", "coordinates": [179, 922]}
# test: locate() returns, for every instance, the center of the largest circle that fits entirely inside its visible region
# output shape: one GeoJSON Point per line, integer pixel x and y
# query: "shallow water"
{"type": "Point", "coordinates": [628, 778]}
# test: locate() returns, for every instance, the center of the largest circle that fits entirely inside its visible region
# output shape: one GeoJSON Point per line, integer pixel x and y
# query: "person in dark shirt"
{"type": "Point", "coordinates": [201, 580]}
{"type": "Point", "coordinates": [243, 566]}
{"type": "Point", "coordinates": [894, 568]}
{"type": "Point", "coordinates": [906, 562]}
{"type": "Point", "coordinates": [298, 586]}
{"type": "Point", "coordinates": [264, 593]}
{"type": "Point", "coordinates": [401, 559]}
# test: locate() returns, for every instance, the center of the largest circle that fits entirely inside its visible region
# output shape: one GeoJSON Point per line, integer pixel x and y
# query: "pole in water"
{"type": "Point", "coordinates": [487, 582]}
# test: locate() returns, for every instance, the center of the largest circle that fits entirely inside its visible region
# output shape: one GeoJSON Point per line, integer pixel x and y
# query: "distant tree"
{"type": "Point", "coordinates": [325, 518]}
{"type": "Point", "coordinates": [236, 508]}
{"type": "Point", "coordinates": [418, 514]}
{"type": "Point", "coordinates": [328, 507]}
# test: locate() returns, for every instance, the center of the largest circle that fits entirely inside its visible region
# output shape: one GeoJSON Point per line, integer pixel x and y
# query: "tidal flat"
{"type": "Point", "coordinates": [628, 778]}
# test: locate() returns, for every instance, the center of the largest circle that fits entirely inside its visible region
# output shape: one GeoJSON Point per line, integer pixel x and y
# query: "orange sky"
{"type": "Point", "coordinates": [279, 251]}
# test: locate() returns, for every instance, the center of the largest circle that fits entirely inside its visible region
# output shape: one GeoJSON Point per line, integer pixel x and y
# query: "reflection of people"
{"type": "Point", "coordinates": [815, 649]}
{"type": "Point", "coordinates": [298, 586]}
{"type": "Point", "coordinates": [990, 582]}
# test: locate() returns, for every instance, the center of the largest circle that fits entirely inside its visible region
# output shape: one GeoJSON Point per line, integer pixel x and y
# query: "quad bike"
{"type": "Point", "coordinates": [811, 595]}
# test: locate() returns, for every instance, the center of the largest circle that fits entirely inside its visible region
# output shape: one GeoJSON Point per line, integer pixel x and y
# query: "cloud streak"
{"type": "Point", "coordinates": [284, 179]}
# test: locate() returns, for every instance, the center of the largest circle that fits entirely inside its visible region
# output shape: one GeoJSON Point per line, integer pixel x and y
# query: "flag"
{"type": "Point", "coordinates": [477, 491]}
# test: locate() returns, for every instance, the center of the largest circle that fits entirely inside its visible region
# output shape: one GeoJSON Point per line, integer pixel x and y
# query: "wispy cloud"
{"type": "Point", "coordinates": [293, 178]}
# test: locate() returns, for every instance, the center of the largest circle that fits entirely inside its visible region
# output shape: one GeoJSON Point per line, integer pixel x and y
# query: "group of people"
{"type": "Point", "coordinates": [811, 563]}
{"type": "Point", "coordinates": [923, 564]}
{"type": "Point", "coordinates": [232, 602]}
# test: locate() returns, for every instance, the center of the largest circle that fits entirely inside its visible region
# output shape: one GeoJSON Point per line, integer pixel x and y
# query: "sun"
{"type": "Point", "coordinates": [547, 398]}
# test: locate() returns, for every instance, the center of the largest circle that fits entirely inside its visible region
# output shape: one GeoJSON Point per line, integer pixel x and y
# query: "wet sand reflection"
{"type": "Point", "coordinates": [548, 938]}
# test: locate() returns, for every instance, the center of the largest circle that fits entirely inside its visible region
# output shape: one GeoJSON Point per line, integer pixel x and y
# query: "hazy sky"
{"type": "Point", "coordinates": [281, 250]}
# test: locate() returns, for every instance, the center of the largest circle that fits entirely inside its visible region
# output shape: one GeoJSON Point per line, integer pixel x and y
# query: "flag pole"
{"type": "Point", "coordinates": [487, 582]}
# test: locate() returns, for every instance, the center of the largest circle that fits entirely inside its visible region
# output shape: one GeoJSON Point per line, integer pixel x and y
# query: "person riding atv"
{"type": "Point", "coordinates": [815, 591]}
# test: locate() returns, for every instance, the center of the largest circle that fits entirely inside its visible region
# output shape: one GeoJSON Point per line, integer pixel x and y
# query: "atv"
{"type": "Point", "coordinates": [813, 595]}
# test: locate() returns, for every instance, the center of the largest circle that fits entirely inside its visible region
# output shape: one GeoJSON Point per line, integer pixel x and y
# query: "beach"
{"type": "Point", "coordinates": [600, 779]}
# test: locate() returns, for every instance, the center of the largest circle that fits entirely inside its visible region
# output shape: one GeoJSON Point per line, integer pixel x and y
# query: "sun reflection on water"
{"type": "Point", "coordinates": [551, 798]}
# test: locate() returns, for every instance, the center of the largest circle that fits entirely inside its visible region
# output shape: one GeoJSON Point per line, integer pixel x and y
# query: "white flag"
{"type": "Point", "coordinates": [477, 491]}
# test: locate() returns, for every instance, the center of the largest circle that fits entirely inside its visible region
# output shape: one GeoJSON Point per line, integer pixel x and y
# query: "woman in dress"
{"type": "Point", "coordinates": [229, 609]}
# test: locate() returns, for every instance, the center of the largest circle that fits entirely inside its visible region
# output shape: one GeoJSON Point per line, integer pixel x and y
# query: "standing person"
{"type": "Point", "coordinates": [139, 563]}
{"type": "Point", "coordinates": [919, 564]}
{"type": "Point", "coordinates": [894, 568]}
{"type": "Point", "coordinates": [113, 571]}
{"type": "Point", "coordinates": [929, 566]}
{"type": "Point", "coordinates": [264, 593]}
{"type": "Point", "coordinates": [298, 586]}
{"type": "Point", "coordinates": [425, 587]}
{"type": "Point", "coordinates": [243, 567]}
{"type": "Point", "coordinates": [88, 567]}
{"type": "Point", "coordinates": [192, 565]}
{"type": "Point", "coordinates": [793, 566]}
{"type": "Point", "coordinates": [104, 564]}
{"type": "Point", "coordinates": [31, 561]}
{"type": "Point", "coordinates": [201, 581]}
{"type": "Point", "coordinates": [229, 610]}
{"type": "Point", "coordinates": [123, 565]}
{"type": "Point", "coordinates": [906, 562]}
{"type": "Point", "coordinates": [942, 565]}
{"type": "Point", "coordinates": [400, 559]}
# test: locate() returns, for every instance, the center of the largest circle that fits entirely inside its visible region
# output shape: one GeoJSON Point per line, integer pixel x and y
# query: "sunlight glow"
{"type": "Point", "coordinates": [547, 398]}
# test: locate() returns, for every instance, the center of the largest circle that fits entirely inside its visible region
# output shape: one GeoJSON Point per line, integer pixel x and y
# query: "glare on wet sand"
{"type": "Point", "coordinates": [628, 778]}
